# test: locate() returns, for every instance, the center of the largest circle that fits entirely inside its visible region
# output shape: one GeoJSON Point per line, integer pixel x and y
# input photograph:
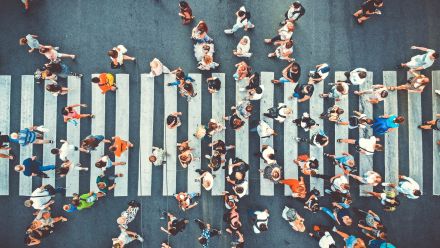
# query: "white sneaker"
{"type": "Point", "coordinates": [437, 92]}
{"type": "Point", "coordinates": [228, 31]}
{"type": "Point", "coordinates": [42, 129]}
{"type": "Point", "coordinates": [242, 89]}
{"type": "Point", "coordinates": [140, 238]}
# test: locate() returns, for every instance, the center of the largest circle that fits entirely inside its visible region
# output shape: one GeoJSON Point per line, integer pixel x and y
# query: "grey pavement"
{"type": "Point", "coordinates": [151, 28]}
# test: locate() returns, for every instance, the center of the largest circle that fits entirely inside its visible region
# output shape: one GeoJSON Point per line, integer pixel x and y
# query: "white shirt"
{"type": "Point", "coordinates": [39, 198]}
{"type": "Point", "coordinates": [369, 177]}
{"type": "Point", "coordinates": [208, 177]}
{"type": "Point", "coordinates": [265, 154]}
{"type": "Point", "coordinates": [256, 96]}
{"type": "Point", "coordinates": [337, 183]}
{"type": "Point", "coordinates": [407, 187]}
{"type": "Point", "coordinates": [368, 145]}
{"type": "Point", "coordinates": [323, 75]}
{"type": "Point", "coordinates": [291, 14]}
{"type": "Point", "coordinates": [284, 33]}
{"type": "Point", "coordinates": [354, 76]}
{"type": "Point", "coordinates": [262, 218]}
{"type": "Point", "coordinates": [65, 150]}
{"type": "Point", "coordinates": [264, 130]}
{"type": "Point", "coordinates": [424, 60]}
{"type": "Point", "coordinates": [326, 240]}
{"type": "Point", "coordinates": [239, 19]}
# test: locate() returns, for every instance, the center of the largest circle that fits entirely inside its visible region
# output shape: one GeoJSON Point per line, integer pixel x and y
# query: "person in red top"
{"type": "Point", "coordinates": [119, 146]}
{"type": "Point", "coordinates": [298, 187]}
{"type": "Point", "coordinates": [106, 82]}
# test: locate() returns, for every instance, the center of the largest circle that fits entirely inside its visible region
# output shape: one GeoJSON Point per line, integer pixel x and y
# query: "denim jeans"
{"type": "Point", "coordinates": [283, 80]}
{"type": "Point", "coordinates": [46, 167]}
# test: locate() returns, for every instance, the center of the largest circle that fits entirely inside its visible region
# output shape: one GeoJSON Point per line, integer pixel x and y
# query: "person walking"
{"type": "Point", "coordinates": [346, 162]}
{"type": "Point", "coordinates": [421, 61]}
{"type": "Point", "coordinates": [406, 186]}
{"type": "Point", "coordinates": [185, 12]}
{"type": "Point", "coordinates": [173, 120]}
{"type": "Point", "coordinates": [264, 130]}
{"type": "Point", "coordinates": [284, 34]}
{"type": "Point", "coordinates": [207, 232]}
{"type": "Point", "coordinates": [206, 178]}
{"type": "Point", "coordinates": [243, 48]}
{"type": "Point", "coordinates": [235, 122]}
{"type": "Point", "coordinates": [119, 146]}
{"type": "Point", "coordinates": [67, 166]}
{"type": "Point", "coordinates": [106, 183]}
{"type": "Point", "coordinates": [303, 92]}
{"type": "Point", "coordinates": [338, 91]}
{"type": "Point", "coordinates": [340, 214]}
{"type": "Point", "coordinates": [71, 115]}
{"type": "Point", "coordinates": [31, 41]}
{"type": "Point", "coordinates": [291, 74]}
{"type": "Point", "coordinates": [284, 51]}
{"type": "Point", "coordinates": [41, 197]}
{"type": "Point", "coordinates": [106, 82]}
{"type": "Point", "coordinates": [323, 236]}
{"type": "Point", "coordinates": [158, 156]}
{"type": "Point", "coordinates": [128, 215]}
{"type": "Point", "coordinates": [298, 187]}
{"type": "Point", "coordinates": [105, 163]}
{"type": "Point", "coordinates": [53, 55]}
{"type": "Point", "coordinates": [157, 68]}
{"type": "Point", "coordinates": [200, 33]}
{"type": "Point", "coordinates": [214, 84]}
{"type": "Point", "coordinates": [386, 123]}
{"type": "Point", "coordinates": [243, 21]}
{"type": "Point", "coordinates": [31, 167]}
{"type": "Point", "coordinates": [350, 240]}
{"type": "Point", "coordinates": [431, 125]}
{"type": "Point", "coordinates": [359, 120]}
{"type": "Point", "coordinates": [294, 13]}
{"type": "Point", "coordinates": [31, 135]}
{"type": "Point", "coordinates": [118, 56]}
{"type": "Point", "coordinates": [308, 165]}
{"type": "Point", "coordinates": [415, 84]}
{"type": "Point", "coordinates": [319, 139]}
{"type": "Point", "coordinates": [320, 73]}
{"type": "Point", "coordinates": [356, 76]}
{"type": "Point", "coordinates": [185, 200]}
{"type": "Point", "coordinates": [305, 122]}
{"type": "Point", "coordinates": [125, 237]}
{"type": "Point", "coordinates": [174, 225]}
{"type": "Point", "coordinates": [371, 178]}
{"type": "Point", "coordinates": [368, 8]}
{"type": "Point", "coordinates": [279, 113]}
{"type": "Point", "coordinates": [91, 142]}
{"type": "Point", "coordinates": [366, 146]}
{"type": "Point", "coordinates": [260, 220]}
{"type": "Point", "coordinates": [65, 150]}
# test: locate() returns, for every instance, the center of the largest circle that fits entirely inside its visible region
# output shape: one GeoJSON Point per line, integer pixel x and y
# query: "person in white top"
{"type": "Point", "coordinates": [206, 178]}
{"type": "Point", "coordinates": [407, 186]}
{"type": "Point", "coordinates": [243, 48]}
{"type": "Point", "coordinates": [370, 178]}
{"type": "Point", "coordinates": [279, 113]}
{"type": "Point", "coordinates": [241, 189]}
{"type": "Point", "coordinates": [268, 154]}
{"type": "Point", "coordinates": [320, 73]}
{"type": "Point", "coordinates": [422, 61]}
{"type": "Point", "coordinates": [263, 129]}
{"type": "Point", "coordinates": [366, 146]}
{"type": "Point", "coordinates": [65, 150]}
{"type": "Point", "coordinates": [284, 50]}
{"type": "Point", "coordinates": [105, 163]}
{"type": "Point", "coordinates": [378, 93]}
{"type": "Point", "coordinates": [158, 157]}
{"type": "Point", "coordinates": [256, 94]}
{"type": "Point", "coordinates": [157, 68]}
{"type": "Point", "coordinates": [284, 33]}
{"type": "Point", "coordinates": [324, 237]}
{"type": "Point", "coordinates": [118, 55]}
{"type": "Point", "coordinates": [295, 11]}
{"type": "Point", "coordinates": [340, 184]}
{"type": "Point", "coordinates": [41, 197]}
{"type": "Point", "coordinates": [338, 91]}
{"type": "Point", "coordinates": [260, 220]}
{"type": "Point", "coordinates": [356, 76]}
{"type": "Point", "coordinates": [243, 21]}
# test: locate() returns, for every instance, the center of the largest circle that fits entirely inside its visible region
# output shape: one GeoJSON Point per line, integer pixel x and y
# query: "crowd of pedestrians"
{"type": "Point", "coordinates": [343, 215]}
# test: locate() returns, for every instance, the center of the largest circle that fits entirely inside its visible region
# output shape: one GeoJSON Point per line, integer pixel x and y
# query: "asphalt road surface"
{"type": "Point", "coordinates": [152, 28]}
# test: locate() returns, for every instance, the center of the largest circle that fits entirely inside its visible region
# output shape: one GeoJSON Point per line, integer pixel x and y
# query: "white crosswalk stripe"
{"type": "Point", "coordinates": [147, 108]}
{"type": "Point", "coordinates": [73, 134]}
{"type": "Point", "coordinates": [27, 119]}
{"type": "Point", "coordinates": [5, 101]}
{"type": "Point", "coordinates": [365, 161]}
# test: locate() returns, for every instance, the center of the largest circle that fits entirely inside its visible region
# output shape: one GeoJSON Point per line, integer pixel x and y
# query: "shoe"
{"type": "Point", "coordinates": [437, 92]}
{"type": "Point", "coordinates": [80, 75]}
{"type": "Point", "coordinates": [140, 239]}
{"type": "Point", "coordinates": [228, 31]}
{"type": "Point", "coordinates": [339, 140]}
{"type": "Point", "coordinates": [298, 139]}
{"type": "Point", "coordinates": [42, 129]}
{"type": "Point", "coordinates": [207, 156]}
{"type": "Point", "coordinates": [242, 89]}
{"type": "Point", "coordinates": [56, 48]}
{"type": "Point", "coordinates": [50, 141]}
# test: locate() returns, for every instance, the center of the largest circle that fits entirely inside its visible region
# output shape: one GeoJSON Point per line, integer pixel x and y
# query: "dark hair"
{"type": "Point", "coordinates": [378, 1]}
{"type": "Point", "coordinates": [258, 90]}
{"type": "Point", "coordinates": [44, 49]}
{"type": "Point", "coordinates": [249, 108]}
{"type": "Point", "coordinates": [203, 241]}
{"type": "Point", "coordinates": [340, 88]}
{"type": "Point", "coordinates": [52, 88]}
{"type": "Point", "coordinates": [384, 94]}
{"type": "Point", "coordinates": [112, 148]}
{"type": "Point", "coordinates": [332, 246]}
{"type": "Point", "coordinates": [362, 74]}
{"type": "Point", "coordinates": [100, 164]}
{"type": "Point", "coordinates": [95, 80]}
{"type": "Point", "coordinates": [295, 66]}
{"type": "Point", "coordinates": [180, 74]}
{"type": "Point", "coordinates": [112, 53]}
{"type": "Point", "coordinates": [435, 55]}
{"type": "Point", "coordinates": [263, 227]}
{"type": "Point", "coordinates": [379, 147]}
{"type": "Point", "coordinates": [271, 156]}
{"type": "Point", "coordinates": [399, 119]}
{"type": "Point", "coordinates": [308, 87]}
{"type": "Point", "coordinates": [55, 151]}
{"type": "Point", "coordinates": [202, 27]}
{"type": "Point", "coordinates": [369, 121]}
{"type": "Point", "coordinates": [241, 13]}
{"type": "Point", "coordinates": [171, 119]}
{"type": "Point", "coordinates": [239, 189]}
{"type": "Point", "coordinates": [23, 41]}
{"type": "Point", "coordinates": [296, 4]}
{"type": "Point", "coordinates": [314, 164]}
{"type": "Point", "coordinates": [183, 4]}
{"type": "Point", "coordinates": [339, 111]}
{"type": "Point", "coordinates": [289, 44]}
{"type": "Point", "coordinates": [417, 192]}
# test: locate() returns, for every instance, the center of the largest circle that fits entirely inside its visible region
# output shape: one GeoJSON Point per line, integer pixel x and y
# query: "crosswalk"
{"type": "Point", "coordinates": [148, 127]}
